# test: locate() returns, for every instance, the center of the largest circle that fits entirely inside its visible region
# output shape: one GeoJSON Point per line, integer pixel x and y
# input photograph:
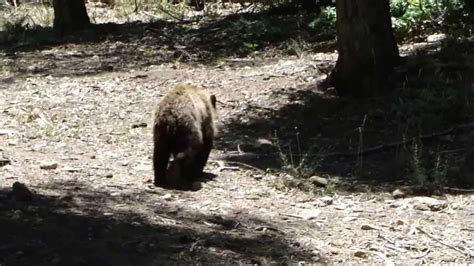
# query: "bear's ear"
{"type": "Point", "coordinates": [213, 101]}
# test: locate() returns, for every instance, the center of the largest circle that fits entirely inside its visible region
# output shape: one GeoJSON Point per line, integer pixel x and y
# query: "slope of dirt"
{"type": "Point", "coordinates": [75, 129]}
{"type": "Point", "coordinates": [98, 205]}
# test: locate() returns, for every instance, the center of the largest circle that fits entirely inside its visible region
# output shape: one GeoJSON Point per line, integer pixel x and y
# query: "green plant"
{"type": "Point", "coordinates": [295, 162]}
{"type": "Point", "coordinates": [250, 46]}
{"type": "Point", "coordinates": [15, 23]}
{"type": "Point", "coordinates": [431, 178]}
{"type": "Point", "coordinates": [219, 61]}
{"type": "Point", "coordinates": [410, 17]}
{"type": "Point", "coordinates": [326, 22]}
{"type": "Point", "coordinates": [296, 47]}
{"type": "Point", "coordinates": [249, 27]}
{"type": "Point", "coordinates": [154, 8]}
{"type": "Point", "coordinates": [29, 16]}
{"type": "Point", "coordinates": [254, 29]}
{"type": "Point", "coordinates": [360, 158]}
{"type": "Point", "coordinates": [433, 107]}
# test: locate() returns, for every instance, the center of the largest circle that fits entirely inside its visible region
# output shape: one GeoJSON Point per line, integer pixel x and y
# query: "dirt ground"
{"type": "Point", "coordinates": [75, 129]}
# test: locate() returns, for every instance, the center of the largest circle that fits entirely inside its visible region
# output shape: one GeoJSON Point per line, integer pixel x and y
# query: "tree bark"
{"type": "Point", "coordinates": [367, 48]}
{"type": "Point", "coordinates": [70, 16]}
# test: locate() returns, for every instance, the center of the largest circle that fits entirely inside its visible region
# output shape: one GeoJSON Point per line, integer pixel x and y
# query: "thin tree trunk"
{"type": "Point", "coordinates": [70, 16]}
{"type": "Point", "coordinates": [367, 48]}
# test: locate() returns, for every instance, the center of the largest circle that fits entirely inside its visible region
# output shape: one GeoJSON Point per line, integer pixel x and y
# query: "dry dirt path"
{"type": "Point", "coordinates": [97, 204]}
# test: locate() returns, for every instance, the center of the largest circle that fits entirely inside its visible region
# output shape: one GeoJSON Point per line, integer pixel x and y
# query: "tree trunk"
{"type": "Point", "coordinates": [70, 16]}
{"type": "Point", "coordinates": [367, 48]}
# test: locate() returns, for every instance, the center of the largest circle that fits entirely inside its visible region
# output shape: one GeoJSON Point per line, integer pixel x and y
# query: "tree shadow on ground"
{"type": "Point", "coordinates": [82, 226]}
{"type": "Point", "coordinates": [121, 47]}
{"type": "Point", "coordinates": [383, 141]}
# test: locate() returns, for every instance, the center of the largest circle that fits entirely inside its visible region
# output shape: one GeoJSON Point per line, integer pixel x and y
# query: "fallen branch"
{"type": "Point", "coordinates": [292, 215]}
{"type": "Point", "coordinates": [420, 256]}
{"type": "Point", "coordinates": [244, 165]}
{"type": "Point", "coordinates": [452, 151]}
{"type": "Point", "coordinates": [458, 190]}
{"type": "Point", "coordinates": [248, 155]}
{"type": "Point", "coordinates": [398, 143]}
{"type": "Point", "coordinates": [385, 259]}
{"type": "Point", "coordinates": [222, 167]}
{"type": "Point", "coordinates": [441, 242]}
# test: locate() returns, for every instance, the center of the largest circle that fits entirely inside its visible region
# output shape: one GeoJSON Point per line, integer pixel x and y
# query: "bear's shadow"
{"type": "Point", "coordinates": [182, 185]}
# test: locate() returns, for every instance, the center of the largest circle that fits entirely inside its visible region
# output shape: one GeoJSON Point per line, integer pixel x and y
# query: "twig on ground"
{"type": "Point", "coordinates": [441, 242]}
{"type": "Point", "coordinates": [246, 165]}
{"type": "Point", "coordinates": [195, 245]}
{"type": "Point", "coordinates": [292, 215]}
{"type": "Point", "coordinates": [458, 190]}
{"type": "Point", "coordinates": [422, 255]}
{"type": "Point", "coordinates": [398, 143]}
{"type": "Point", "coordinates": [386, 260]}
{"type": "Point", "coordinates": [368, 150]}
{"type": "Point", "coordinates": [223, 167]}
{"type": "Point", "coordinates": [386, 239]}
{"type": "Point", "coordinates": [451, 151]}
{"type": "Point", "coordinates": [395, 248]}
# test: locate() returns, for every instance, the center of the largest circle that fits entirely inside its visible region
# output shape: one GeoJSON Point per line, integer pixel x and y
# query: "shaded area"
{"type": "Point", "coordinates": [336, 136]}
{"type": "Point", "coordinates": [79, 228]}
{"type": "Point", "coordinates": [117, 47]}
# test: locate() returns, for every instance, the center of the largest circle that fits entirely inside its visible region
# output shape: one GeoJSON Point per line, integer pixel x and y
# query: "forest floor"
{"type": "Point", "coordinates": [75, 130]}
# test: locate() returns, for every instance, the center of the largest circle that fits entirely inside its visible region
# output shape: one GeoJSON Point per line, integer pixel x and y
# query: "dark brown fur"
{"type": "Point", "coordinates": [184, 127]}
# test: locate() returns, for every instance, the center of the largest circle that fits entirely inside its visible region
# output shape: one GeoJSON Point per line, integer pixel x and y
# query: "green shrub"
{"type": "Point", "coordinates": [326, 22]}
{"type": "Point", "coordinates": [427, 175]}
{"type": "Point", "coordinates": [412, 17]}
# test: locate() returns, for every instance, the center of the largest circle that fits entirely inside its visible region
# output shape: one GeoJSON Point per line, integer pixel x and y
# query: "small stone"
{"type": "Point", "coordinates": [140, 124]}
{"type": "Point", "coordinates": [399, 222]}
{"type": "Point", "coordinates": [360, 254]}
{"type": "Point", "coordinates": [428, 203]}
{"type": "Point", "coordinates": [420, 207]}
{"type": "Point", "coordinates": [109, 175]}
{"type": "Point", "coordinates": [398, 193]}
{"type": "Point", "coordinates": [311, 214]}
{"type": "Point", "coordinates": [436, 37]}
{"type": "Point", "coordinates": [326, 200]}
{"type": "Point", "coordinates": [21, 192]}
{"type": "Point", "coordinates": [369, 227]}
{"type": "Point", "coordinates": [394, 203]}
{"type": "Point", "coordinates": [260, 145]}
{"type": "Point", "coordinates": [319, 181]}
{"type": "Point", "coordinates": [4, 161]}
{"type": "Point", "coordinates": [349, 218]}
{"type": "Point", "coordinates": [123, 163]}
{"type": "Point", "coordinates": [7, 132]}
{"type": "Point", "coordinates": [166, 197]}
{"type": "Point", "coordinates": [70, 169]}
{"type": "Point", "coordinates": [48, 165]}
{"type": "Point", "coordinates": [332, 91]}
{"type": "Point", "coordinates": [259, 142]}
